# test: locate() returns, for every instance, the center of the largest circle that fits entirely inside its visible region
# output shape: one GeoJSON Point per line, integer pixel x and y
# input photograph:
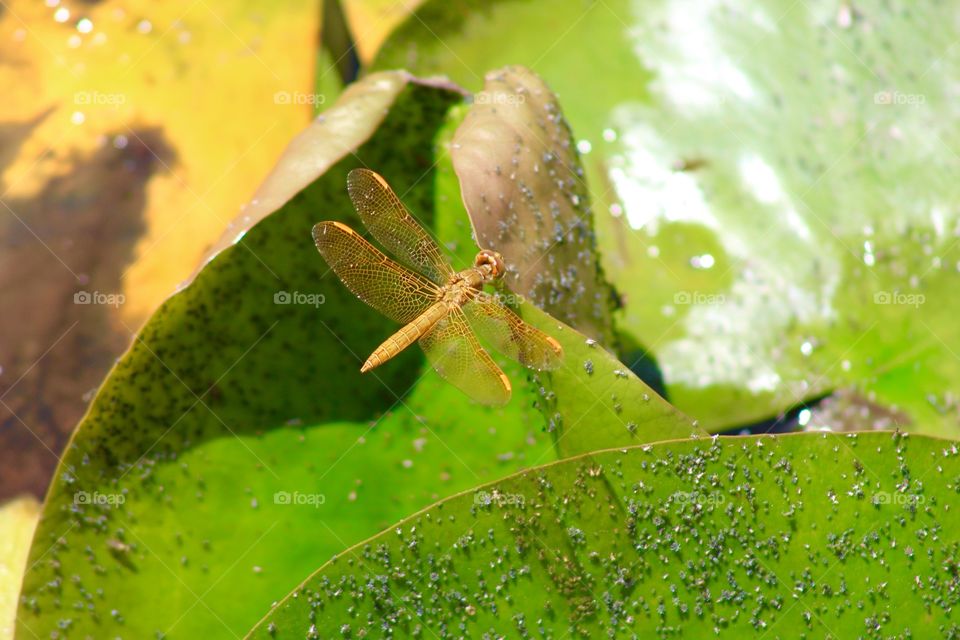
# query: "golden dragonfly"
{"type": "Point", "coordinates": [440, 308]}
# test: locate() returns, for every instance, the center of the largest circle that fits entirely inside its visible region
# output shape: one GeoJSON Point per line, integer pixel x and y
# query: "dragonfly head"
{"type": "Point", "coordinates": [491, 263]}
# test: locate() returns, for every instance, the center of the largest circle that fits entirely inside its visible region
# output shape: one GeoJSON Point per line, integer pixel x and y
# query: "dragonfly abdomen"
{"type": "Point", "coordinates": [407, 335]}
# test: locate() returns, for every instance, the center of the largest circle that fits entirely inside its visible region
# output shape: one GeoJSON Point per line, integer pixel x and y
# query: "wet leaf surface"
{"type": "Point", "coordinates": [728, 538]}
{"type": "Point", "coordinates": [595, 402]}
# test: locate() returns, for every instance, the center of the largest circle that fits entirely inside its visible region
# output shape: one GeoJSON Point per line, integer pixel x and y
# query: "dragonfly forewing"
{"type": "Point", "coordinates": [395, 291]}
{"type": "Point", "coordinates": [392, 225]}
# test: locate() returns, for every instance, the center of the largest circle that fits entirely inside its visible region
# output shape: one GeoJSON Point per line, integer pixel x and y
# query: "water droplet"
{"type": "Point", "coordinates": [85, 25]}
{"type": "Point", "coordinates": [705, 261]}
{"type": "Point", "coordinates": [844, 16]}
{"type": "Point", "coordinates": [62, 14]}
{"type": "Point", "coordinates": [868, 258]}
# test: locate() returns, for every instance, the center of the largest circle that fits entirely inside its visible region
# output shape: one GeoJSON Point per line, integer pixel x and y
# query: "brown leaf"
{"type": "Point", "coordinates": [524, 189]}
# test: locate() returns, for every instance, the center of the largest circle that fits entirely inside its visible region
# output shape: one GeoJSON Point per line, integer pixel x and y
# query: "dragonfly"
{"type": "Point", "coordinates": [441, 309]}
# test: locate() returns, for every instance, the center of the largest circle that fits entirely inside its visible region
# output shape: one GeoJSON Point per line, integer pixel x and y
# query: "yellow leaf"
{"type": "Point", "coordinates": [202, 97]}
{"type": "Point", "coordinates": [371, 21]}
{"type": "Point", "coordinates": [18, 519]}
{"type": "Point", "coordinates": [131, 133]}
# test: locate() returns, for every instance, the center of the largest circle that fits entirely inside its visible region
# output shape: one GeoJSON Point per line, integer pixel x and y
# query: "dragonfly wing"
{"type": "Point", "coordinates": [457, 356]}
{"type": "Point", "coordinates": [392, 225]}
{"type": "Point", "coordinates": [510, 335]}
{"type": "Point", "coordinates": [395, 291]}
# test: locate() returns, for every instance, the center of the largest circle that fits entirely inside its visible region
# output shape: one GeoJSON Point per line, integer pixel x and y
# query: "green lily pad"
{"type": "Point", "coordinates": [774, 184]}
{"type": "Point", "coordinates": [726, 538]}
{"type": "Point", "coordinates": [595, 402]}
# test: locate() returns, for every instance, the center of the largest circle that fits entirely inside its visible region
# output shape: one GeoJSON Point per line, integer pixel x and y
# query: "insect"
{"type": "Point", "coordinates": [440, 308]}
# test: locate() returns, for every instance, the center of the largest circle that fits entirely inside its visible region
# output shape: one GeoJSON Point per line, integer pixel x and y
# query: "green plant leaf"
{"type": "Point", "coordinates": [236, 445]}
{"type": "Point", "coordinates": [775, 200]}
{"type": "Point", "coordinates": [595, 402]}
{"type": "Point", "coordinates": [728, 538]}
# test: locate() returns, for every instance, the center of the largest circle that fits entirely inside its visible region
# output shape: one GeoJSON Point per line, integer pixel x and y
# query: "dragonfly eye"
{"type": "Point", "coordinates": [493, 261]}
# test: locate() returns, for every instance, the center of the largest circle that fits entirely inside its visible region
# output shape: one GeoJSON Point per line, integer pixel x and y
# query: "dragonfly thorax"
{"type": "Point", "coordinates": [463, 286]}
